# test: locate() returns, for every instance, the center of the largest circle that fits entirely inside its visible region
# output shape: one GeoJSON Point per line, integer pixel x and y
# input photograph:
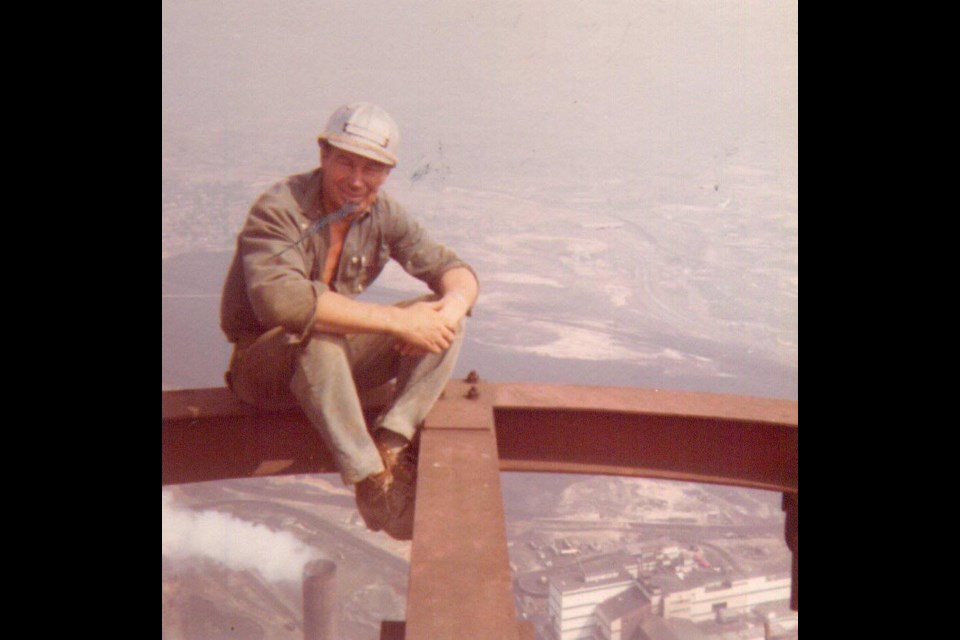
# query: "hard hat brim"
{"type": "Point", "coordinates": [359, 147]}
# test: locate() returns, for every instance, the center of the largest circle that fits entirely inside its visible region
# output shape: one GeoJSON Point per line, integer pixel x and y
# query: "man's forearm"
{"type": "Point", "coordinates": [424, 325]}
{"type": "Point", "coordinates": [459, 288]}
{"type": "Point", "coordinates": [336, 313]}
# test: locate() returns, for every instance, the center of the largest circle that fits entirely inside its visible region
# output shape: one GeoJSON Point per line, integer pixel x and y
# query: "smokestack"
{"type": "Point", "coordinates": [320, 601]}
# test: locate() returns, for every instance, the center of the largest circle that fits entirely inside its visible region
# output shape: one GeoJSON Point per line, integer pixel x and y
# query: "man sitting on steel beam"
{"type": "Point", "coordinates": [310, 245]}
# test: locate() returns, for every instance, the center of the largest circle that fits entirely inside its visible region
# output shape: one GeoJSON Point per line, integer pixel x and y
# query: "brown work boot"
{"type": "Point", "coordinates": [372, 502]}
{"type": "Point", "coordinates": [386, 502]}
{"type": "Point", "coordinates": [399, 455]}
{"type": "Point", "coordinates": [401, 498]}
{"type": "Point", "coordinates": [400, 459]}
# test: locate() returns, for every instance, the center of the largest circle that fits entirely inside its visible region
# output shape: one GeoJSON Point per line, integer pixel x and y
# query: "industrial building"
{"type": "Point", "coordinates": [578, 589]}
{"type": "Point", "coordinates": [707, 602]}
{"type": "Point", "coordinates": [607, 597]}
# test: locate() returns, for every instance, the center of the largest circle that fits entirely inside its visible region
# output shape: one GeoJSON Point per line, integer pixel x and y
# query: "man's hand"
{"type": "Point", "coordinates": [460, 290]}
{"type": "Point", "coordinates": [425, 327]}
{"type": "Point", "coordinates": [420, 328]}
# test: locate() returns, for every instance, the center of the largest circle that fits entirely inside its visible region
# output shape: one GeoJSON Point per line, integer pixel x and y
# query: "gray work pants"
{"type": "Point", "coordinates": [323, 375]}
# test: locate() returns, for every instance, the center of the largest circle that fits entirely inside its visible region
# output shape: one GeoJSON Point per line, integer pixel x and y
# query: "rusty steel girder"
{"type": "Point", "coordinates": [459, 549]}
{"type": "Point", "coordinates": [209, 434]}
{"type": "Point", "coordinates": [459, 574]}
{"type": "Point", "coordinates": [676, 435]}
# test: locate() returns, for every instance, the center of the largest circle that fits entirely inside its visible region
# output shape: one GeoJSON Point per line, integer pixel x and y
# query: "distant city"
{"type": "Point", "coordinates": [597, 558]}
{"type": "Point", "coordinates": [649, 591]}
{"type": "Point", "coordinates": [630, 558]}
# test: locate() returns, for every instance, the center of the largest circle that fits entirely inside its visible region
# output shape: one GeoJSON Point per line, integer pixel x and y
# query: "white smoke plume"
{"type": "Point", "coordinates": [235, 543]}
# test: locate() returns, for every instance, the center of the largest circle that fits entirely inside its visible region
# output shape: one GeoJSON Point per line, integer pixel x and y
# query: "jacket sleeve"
{"type": "Point", "coordinates": [417, 253]}
{"type": "Point", "coordinates": [277, 268]}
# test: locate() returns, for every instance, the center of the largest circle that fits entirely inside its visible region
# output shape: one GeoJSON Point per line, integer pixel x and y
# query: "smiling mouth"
{"type": "Point", "coordinates": [353, 196]}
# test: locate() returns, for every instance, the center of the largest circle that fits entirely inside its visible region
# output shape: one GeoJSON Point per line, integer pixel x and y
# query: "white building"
{"type": "Point", "coordinates": [576, 592]}
{"type": "Point", "coordinates": [602, 597]}
{"type": "Point", "coordinates": [702, 603]}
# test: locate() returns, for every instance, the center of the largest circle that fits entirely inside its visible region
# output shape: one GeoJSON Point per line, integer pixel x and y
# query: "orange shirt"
{"type": "Point", "coordinates": [338, 231]}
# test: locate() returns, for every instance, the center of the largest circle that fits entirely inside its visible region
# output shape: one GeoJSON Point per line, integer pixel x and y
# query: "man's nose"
{"type": "Point", "coordinates": [356, 177]}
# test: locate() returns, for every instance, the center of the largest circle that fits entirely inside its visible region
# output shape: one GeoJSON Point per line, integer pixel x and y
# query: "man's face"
{"type": "Point", "coordinates": [348, 177]}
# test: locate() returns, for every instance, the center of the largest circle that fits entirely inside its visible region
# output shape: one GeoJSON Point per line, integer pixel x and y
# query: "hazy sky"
{"type": "Point", "coordinates": [623, 175]}
{"type": "Point", "coordinates": [589, 88]}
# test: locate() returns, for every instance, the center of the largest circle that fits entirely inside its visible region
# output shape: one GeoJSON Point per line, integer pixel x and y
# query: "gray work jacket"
{"type": "Point", "coordinates": [268, 287]}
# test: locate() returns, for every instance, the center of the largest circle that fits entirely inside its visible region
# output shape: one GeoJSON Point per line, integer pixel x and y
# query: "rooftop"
{"type": "Point", "coordinates": [607, 568]}
{"type": "Point", "coordinates": [670, 583]}
{"type": "Point", "coordinates": [623, 604]}
{"type": "Point", "coordinates": [656, 628]}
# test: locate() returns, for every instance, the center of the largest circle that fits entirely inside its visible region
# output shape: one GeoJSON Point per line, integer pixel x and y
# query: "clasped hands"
{"type": "Point", "coordinates": [428, 327]}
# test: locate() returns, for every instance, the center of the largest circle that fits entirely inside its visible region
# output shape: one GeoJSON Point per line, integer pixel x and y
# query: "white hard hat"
{"type": "Point", "coordinates": [365, 129]}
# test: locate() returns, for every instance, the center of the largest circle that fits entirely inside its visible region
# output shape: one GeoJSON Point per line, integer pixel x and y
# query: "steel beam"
{"type": "Point", "coordinates": [459, 573]}
{"type": "Point", "coordinates": [209, 434]}
{"type": "Point", "coordinates": [753, 442]}
{"type": "Point", "coordinates": [677, 435]}
{"type": "Point", "coordinates": [460, 581]}
{"type": "Point", "coordinates": [677, 447]}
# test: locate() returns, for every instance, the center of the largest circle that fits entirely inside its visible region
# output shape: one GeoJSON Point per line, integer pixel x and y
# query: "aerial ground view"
{"type": "Point", "coordinates": [622, 176]}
